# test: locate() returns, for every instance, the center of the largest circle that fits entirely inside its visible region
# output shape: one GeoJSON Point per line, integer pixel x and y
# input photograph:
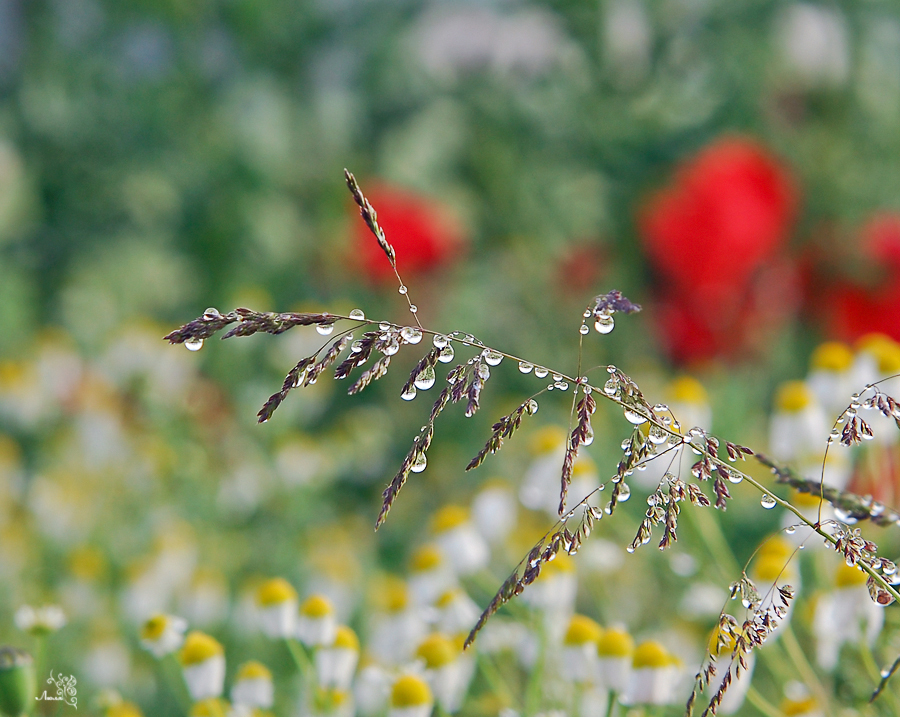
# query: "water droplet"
{"type": "Point", "coordinates": [745, 602]}
{"type": "Point", "coordinates": [790, 530]}
{"type": "Point", "coordinates": [626, 444]}
{"type": "Point", "coordinates": [325, 329]}
{"type": "Point", "coordinates": [629, 549]}
{"type": "Point", "coordinates": [357, 315]}
{"type": "Point", "coordinates": [888, 568]}
{"type": "Point", "coordinates": [734, 477]}
{"type": "Point", "coordinates": [491, 357]}
{"type": "Point", "coordinates": [624, 492]}
{"type": "Point", "coordinates": [392, 347]}
{"type": "Point", "coordinates": [561, 385]}
{"type": "Point", "coordinates": [413, 308]}
{"type": "Point", "coordinates": [587, 313]}
{"type": "Point", "coordinates": [384, 326]}
{"type": "Point", "coordinates": [356, 347]}
{"type": "Point", "coordinates": [611, 369]}
{"type": "Point", "coordinates": [483, 371]}
{"type": "Point", "coordinates": [657, 435]}
{"type": "Point", "coordinates": [193, 344]}
{"type": "Point", "coordinates": [541, 372]}
{"type": "Point", "coordinates": [425, 379]}
{"type": "Point", "coordinates": [525, 367]}
{"type": "Point", "coordinates": [402, 289]}
{"type": "Point", "coordinates": [440, 341]}
{"type": "Point", "coordinates": [211, 314]}
{"type": "Point", "coordinates": [634, 417]}
{"type": "Point", "coordinates": [419, 463]}
{"type": "Point", "coordinates": [767, 501]}
{"type": "Point", "coordinates": [604, 324]}
{"type": "Point", "coordinates": [611, 387]}
{"type": "Point", "coordinates": [584, 329]}
{"type": "Point", "coordinates": [844, 516]}
{"type": "Point", "coordinates": [588, 436]}
{"type": "Point", "coordinates": [409, 394]}
{"type": "Point", "coordinates": [446, 355]}
{"type": "Point", "coordinates": [531, 407]}
{"type": "Point", "coordinates": [410, 334]}
{"type": "Point", "coordinates": [557, 377]}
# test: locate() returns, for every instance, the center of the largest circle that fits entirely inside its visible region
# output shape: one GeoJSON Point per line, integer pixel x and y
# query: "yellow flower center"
{"type": "Point", "coordinates": [582, 630]}
{"type": "Point", "coordinates": [410, 691]}
{"type": "Point", "coordinates": [547, 439]}
{"type": "Point", "coordinates": [650, 654]}
{"type": "Point", "coordinates": [437, 651]}
{"type": "Point", "coordinates": [212, 707]}
{"type": "Point", "coordinates": [253, 670]}
{"type": "Point", "coordinates": [847, 576]}
{"type": "Point", "coordinates": [124, 709]}
{"type": "Point", "coordinates": [199, 647]}
{"type": "Point", "coordinates": [687, 389]}
{"type": "Point", "coordinates": [794, 708]}
{"type": "Point", "coordinates": [154, 627]}
{"type": "Point", "coordinates": [793, 397]}
{"type": "Point", "coordinates": [448, 518]}
{"type": "Point", "coordinates": [832, 356]}
{"type": "Point", "coordinates": [885, 350]}
{"type": "Point", "coordinates": [425, 558]}
{"type": "Point", "coordinates": [275, 592]}
{"type": "Point", "coordinates": [346, 639]}
{"type": "Point", "coordinates": [615, 642]}
{"type": "Point", "coordinates": [316, 606]}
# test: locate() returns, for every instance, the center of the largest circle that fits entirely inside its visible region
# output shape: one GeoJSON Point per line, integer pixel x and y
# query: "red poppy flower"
{"type": "Point", "coordinates": [726, 214]}
{"type": "Point", "coordinates": [423, 233]}
{"type": "Point", "coordinates": [853, 310]}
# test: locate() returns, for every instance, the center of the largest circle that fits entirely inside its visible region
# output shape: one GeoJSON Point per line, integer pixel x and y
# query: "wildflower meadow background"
{"type": "Point", "coordinates": [733, 166]}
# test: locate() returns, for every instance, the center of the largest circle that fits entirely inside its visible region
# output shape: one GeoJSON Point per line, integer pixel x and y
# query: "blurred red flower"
{"type": "Point", "coordinates": [710, 234]}
{"type": "Point", "coordinates": [852, 310]}
{"type": "Point", "coordinates": [424, 234]}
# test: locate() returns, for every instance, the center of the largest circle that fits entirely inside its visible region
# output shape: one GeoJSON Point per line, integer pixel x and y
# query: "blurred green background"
{"type": "Point", "coordinates": [158, 157]}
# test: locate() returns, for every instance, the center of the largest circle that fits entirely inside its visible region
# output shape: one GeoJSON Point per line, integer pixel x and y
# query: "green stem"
{"type": "Point", "coordinates": [172, 674]}
{"type": "Point", "coordinates": [716, 542]}
{"type": "Point", "coordinates": [795, 652]}
{"type": "Point", "coordinates": [495, 680]}
{"type": "Point", "coordinates": [533, 688]}
{"type": "Point", "coordinates": [301, 660]}
{"type": "Point", "coordinates": [611, 703]}
{"type": "Point", "coordinates": [762, 704]}
{"type": "Point", "coordinates": [875, 673]}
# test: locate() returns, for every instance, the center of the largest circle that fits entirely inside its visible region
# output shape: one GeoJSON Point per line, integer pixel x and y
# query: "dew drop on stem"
{"type": "Point", "coordinates": [525, 367]}
{"type": "Point", "coordinates": [767, 501]}
{"type": "Point", "coordinates": [410, 334]}
{"type": "Point", "coordinates": [325, 329]}
{"type": "Point", "coordinates": [425, 379]}
{"type": "Point", "coordinates": [541, 372]}
{"type": "Point", "coordinates": [419, 463]}
{"type": "Point", "coordinates": [409, 394]}
{"type": "Point", "coordinates": [604, 324]}
{"type": "Point", "coordinates": [357, 315]}
{"type": "Point", "coordinates": [193, 344]}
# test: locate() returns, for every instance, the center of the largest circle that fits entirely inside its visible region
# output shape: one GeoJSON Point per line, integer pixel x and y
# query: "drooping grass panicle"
{"type": "Point", "coordinates": [249, 322]}
{"type": "Point", "coordinates": [503, 429]}
{"type": "Point", "coordinates": [582, 434]}
{"type": "Point", "coordinates": [361, 351]}
{"type": "Point", "coordinates": [370, 217]}
{"type": "Point", "coordinates": [373, 373]}
{"type": "Point", "coordinates": [850, 506]}
{"type": "Point", "coordinates": [545, 550]}
{"type": "Point", "coordinates": [292, 380]}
